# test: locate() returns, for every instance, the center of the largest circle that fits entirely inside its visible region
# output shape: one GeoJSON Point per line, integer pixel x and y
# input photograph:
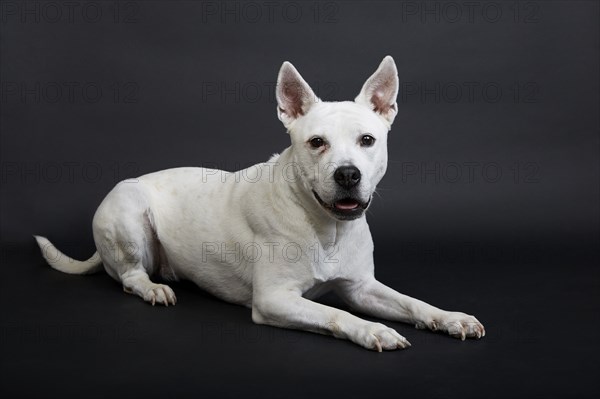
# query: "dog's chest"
{"type": "Point", "coordinates": [338, 252]}
{"type": "Point", "coordinates": [329, 264]}
{"type": "Point", "coordinates": [336, 260]}
{"type": "Point", "coordinates": [326, 262]}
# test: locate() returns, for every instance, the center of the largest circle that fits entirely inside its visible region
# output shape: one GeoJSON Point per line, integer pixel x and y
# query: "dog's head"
{"type": "Point", "coordinates": [339, 148]}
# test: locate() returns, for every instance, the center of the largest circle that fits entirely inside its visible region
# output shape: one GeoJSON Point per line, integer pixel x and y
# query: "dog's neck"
{"type": "Point", "coordinates": [294, 192]}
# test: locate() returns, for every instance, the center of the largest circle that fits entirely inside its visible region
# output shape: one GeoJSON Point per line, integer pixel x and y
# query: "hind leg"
{"type": "Point", "coordinates": [127, 242]}
{"type": "Point", "coordinates": [136, 281]}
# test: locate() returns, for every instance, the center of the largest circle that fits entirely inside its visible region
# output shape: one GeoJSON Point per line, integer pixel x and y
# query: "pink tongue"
{"type": "Point", "coordinates": [346, 205]}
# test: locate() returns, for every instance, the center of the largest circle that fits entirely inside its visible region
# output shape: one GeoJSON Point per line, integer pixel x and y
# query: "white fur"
{"type": "Point", "coordinates": [259, 237]}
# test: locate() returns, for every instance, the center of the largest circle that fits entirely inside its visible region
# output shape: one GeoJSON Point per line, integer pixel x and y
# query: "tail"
{"type": "Point", "coordinates": [65, 264]}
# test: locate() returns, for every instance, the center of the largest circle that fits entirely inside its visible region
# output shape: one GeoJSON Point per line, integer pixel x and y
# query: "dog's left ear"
{"type": "Point", "coordinates": [380, 91]}
{"type": "Point", "coordinates": [294, 95]}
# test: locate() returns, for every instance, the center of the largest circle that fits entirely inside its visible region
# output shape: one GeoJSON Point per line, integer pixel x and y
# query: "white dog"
{"type": "Point", "coordinates": [275, 235]}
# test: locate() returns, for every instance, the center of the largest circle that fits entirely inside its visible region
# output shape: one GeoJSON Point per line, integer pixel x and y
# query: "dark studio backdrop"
{"type": "Point", "coordinates": [489, 205]}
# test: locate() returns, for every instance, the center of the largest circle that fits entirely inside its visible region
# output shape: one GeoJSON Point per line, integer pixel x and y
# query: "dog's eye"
{"type": "Point", "coordinates": [316, 142]}
{"type": "Point", "coordinates": [367, 140]}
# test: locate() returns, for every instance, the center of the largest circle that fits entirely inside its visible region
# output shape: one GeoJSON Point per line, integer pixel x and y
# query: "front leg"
{"type": "Point", "coordinates": [371, 297]}
{"type": "Point", "coordinates": [286, 308]}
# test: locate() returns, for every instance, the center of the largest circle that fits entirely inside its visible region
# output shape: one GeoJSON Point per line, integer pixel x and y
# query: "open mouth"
{"type": "Point", "coordinates": [345, 208]}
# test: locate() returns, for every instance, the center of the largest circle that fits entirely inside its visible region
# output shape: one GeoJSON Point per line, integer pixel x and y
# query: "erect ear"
{"type": "Point", "coordinates": [294, 95]}
{"type": "Point", "coordinates": [380, 91]}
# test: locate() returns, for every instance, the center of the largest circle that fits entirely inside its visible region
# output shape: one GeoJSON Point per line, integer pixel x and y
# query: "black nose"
{"type": "Point", "coordinates": [347, 176]}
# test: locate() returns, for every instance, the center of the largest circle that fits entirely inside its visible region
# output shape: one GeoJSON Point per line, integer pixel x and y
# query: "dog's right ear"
{"type": "Point", "coordinates": [294, 95]}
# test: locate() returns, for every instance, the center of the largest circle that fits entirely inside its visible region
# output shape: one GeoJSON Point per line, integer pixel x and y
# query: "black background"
{"type": "Point", "coordinates": [489, 206]}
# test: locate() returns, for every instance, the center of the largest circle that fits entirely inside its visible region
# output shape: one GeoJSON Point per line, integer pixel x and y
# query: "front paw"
{"type": "Point", "coordinates": [456, 324]}
{"type": "Point", "coordinates": [376, 336]}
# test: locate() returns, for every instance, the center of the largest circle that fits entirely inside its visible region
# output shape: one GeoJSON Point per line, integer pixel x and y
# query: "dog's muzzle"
{"type": "Point", "coordinates": [347, 208]}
